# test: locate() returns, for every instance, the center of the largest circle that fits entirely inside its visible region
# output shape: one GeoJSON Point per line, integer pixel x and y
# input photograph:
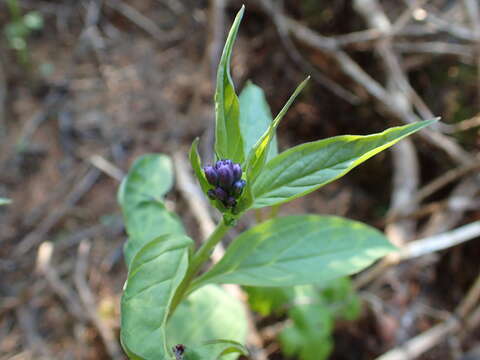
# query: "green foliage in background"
{"type": "Point", "coordinates": [19, 29]}
{"type": "Point", "coordinates": [311, 312]}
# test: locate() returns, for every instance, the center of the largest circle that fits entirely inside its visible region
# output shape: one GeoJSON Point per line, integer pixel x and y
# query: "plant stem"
{"type": "Point", "coordinates": [200, 257]}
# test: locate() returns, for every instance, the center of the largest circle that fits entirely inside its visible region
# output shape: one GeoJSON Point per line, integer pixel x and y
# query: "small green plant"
{"type": "Point", "coordinates": [19, 29]}
{"type": "Point", "coordinates": [172, 310]}
{"type": "Point", "coordinates": [311, 312]}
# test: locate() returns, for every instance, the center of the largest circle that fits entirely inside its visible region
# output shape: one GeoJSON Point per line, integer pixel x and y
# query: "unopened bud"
{"type": "Point", "coordinates": [220, 194]}
{"type": "Point", "coordinates": [225, 176]}
{"type": "Point", "coordinates": [237, 172]}
{"type": "Point", "coordinates": [211, 174]}
{"type": "Point", "coordinates": [238, 187]}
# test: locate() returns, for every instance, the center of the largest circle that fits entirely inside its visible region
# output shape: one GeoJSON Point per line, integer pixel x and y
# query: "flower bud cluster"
{"type": "Point", "coordinates": [226, 176]}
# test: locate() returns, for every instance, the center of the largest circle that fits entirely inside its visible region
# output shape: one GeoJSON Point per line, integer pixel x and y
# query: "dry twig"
{"type": "Point", "coordinates": [88, 300]}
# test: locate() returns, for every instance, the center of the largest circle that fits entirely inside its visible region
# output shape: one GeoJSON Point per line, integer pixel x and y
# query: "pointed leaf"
{"type": "Point", "coordinates": [258, 155]}
{"type": "Point", "coordinates": [196, 163]}
{"type": "Point", "coordinates": [307, 167]}
{"type": "Point", "coordinates": [154, 275]}
{"type": "Point", "coordinates": [255, 118]}
{"type": "Point", "coordinates": [228, 137]}
{"type": "Point", "coordinates": [297, 250]}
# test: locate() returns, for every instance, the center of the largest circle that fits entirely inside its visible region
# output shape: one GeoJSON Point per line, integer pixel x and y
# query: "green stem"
{"type": "Point", "coordinates": [200, 257]}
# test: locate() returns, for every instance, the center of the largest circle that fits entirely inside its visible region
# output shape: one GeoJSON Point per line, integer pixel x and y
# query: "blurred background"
{"type": "Point", "coordinates": [86, 86]}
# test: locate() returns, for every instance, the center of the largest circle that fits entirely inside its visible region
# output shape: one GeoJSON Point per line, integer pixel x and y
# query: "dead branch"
{"type": "Point", "coordinates": [88, 300]}
{"type": "Point", "coordinates": [356, 73]}
{"type": "Point", "coordinates": [63, 291]}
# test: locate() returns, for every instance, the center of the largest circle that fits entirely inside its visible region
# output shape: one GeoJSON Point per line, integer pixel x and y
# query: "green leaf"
{"type": "Point", "coordinates": [260, 152]}
{"type": "Point", "coordinates": [141, 197]}
{"type": "Point", "coordinates": [255, 118]}
{"type": "Point", "coordinates": [309, 334]}
{"type": "Point", "coordinates": [266, 300]}
{"type": "Point", "coordinates": [297, 250]}
{"type": "Point", "coordinates": [228, 137]}
{"type": "Point", "coordinates": [207, 314]}
{"type": "Point", "coordinates": [305, 168]}
{"type": "Point", "coordinates": [196, 163]}
{"type": "Point", "coordinates": [154, 275]}
{"type": "Point", "coordinates": [258, 155]}
{"type": "Point", "coordinates": [4, 201]}
{"type": "Point", "coordinates": [215, 350]}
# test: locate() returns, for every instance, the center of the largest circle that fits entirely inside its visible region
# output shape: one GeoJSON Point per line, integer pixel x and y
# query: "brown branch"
{"type": "Point", "coordinates": [88, 300]}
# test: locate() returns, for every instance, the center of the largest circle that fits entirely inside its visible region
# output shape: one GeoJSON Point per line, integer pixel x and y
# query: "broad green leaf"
{"type": "Point", "coordinates": [255, 118]}
{"type": "Point", "coordinates": [207, 314]}
{"type": "Point", "coordinates": [196, 163]}
{"type": "Point", "coordinates": [305, 168]}
{"type": "Point", "coordinates": [154, 275]}
{"type": "Point", "coordinates": [141, 197]}
{"type": "Point", "coordinates": [4, 201]}
{"type": "Point", "coordinates": [297, 250]}
{"type": "Point", "coordinates": [228, 137]}
{"type": "Point", "coordinates": [215, 350]}
{"type": "Point", "coordinates": [151, 176]}
{"type": "Point", "coordinates": [258, 154]}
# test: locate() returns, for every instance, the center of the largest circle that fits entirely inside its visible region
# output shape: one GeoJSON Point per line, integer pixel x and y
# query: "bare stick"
{"type": "Point", "coordinates": [63, 291]}
{"type": "Point", "coordinates": [421, 343]}
{"type": "Point", "coordinates": [352, 69]}
{"type": "Point", "coordinates": [139, 19]}
{"type": "Point", "coordinates": [405, 163]}
{"type": "Point", "coordinates": [107, 167]}
{"type": "Point", "coordinates": [420, 248]}
{"type": "Point", "coordinates": [427, 340]}
{"type": "Point", "coordinates": [34, 340]}
{"type": "Point", "coordinates": [440, 242]}
{"type": "Point", "coordinates": [446, 179]}
{"type": "Point", "coordinates": [38, 234]}
{"type": "Point", "coordinates": [301, 61]}
{"type": "Point", "coordinates": [88, 300]}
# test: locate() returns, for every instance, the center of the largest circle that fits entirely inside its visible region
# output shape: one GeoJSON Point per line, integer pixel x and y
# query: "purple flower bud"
{"type": "Point", "coordinates": [237, 171]}
{"type": "Point", "coordinates": [225, 176]}
{"type": "Point", "coordinates": [211, 174]}
{"type": "Point", "coordinates": [211, 194]}
{"type": "Point", "coordinates": [238, 187]}
{"type": "Point", "coordinates": [220, 194]}
{"type": "Point", "coordinates": [223, 162]}
{"type": "Point", "coordinates": [230, 202]}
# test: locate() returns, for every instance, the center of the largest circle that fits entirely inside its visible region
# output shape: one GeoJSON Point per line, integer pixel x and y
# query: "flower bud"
{"type": "Point", "coordinates": [211, 174]}
{"type": "Point", "coordinates": [225, 176]}
{"type": "Point", "coordinates": [237, 172]}
{"type": "Point", "coordinates": [220, 194]}
{"type": "Point", "coordinates": [230, 202]}
{"type": "Point", "coordinates": [237, 187]}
